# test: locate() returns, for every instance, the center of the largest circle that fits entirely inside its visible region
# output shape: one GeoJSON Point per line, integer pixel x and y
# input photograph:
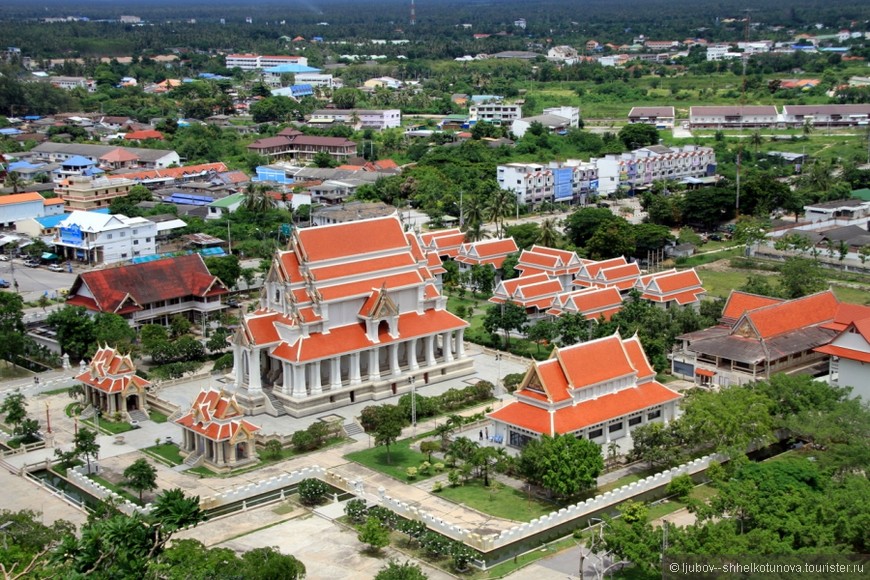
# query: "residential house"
{"type": "Point", "coordinates": [496, 113]}
{"type": "Point", "coordinates": [661, 117]}
{"type": "Point", "coordinates": [303, 147]}
{"type": "Point", "coordinates": [533, 183]}
{"type": "Point", "coordinates": [226, 205]}
{"type": "Point", "coordinates": [850, 115]}
{"type": "Point", "coordinates": [733, 116]}
{"type": "Point", "coordinates": [148, 158]}
{"type": "Point", "coordinates": [850, 357]}
{"type": "Point", "coordinates": [638, 169]}
{"type": "Point", "coordinates": [845, 210]}
{"type": "Point", "coordinates": [349, 313]}
{"type": "Point", "coordinates": [598, 390]}
{"type": "Point", "coordinates": [97, 238]}
{"type": "Point", "coordinates": [84, 194]}
{"type": "Point", "coordinates": [17, 207]}
{"type": "Point", "coordinates": [358, 118]}
{"type": "Point", "coordinates": [152, 292]}
{"type": "Point", "coordinates": [215, 432]}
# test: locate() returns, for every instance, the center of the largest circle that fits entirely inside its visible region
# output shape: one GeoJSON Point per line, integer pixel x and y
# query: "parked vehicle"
{"type": "Point", "coordinates": [4, 283]}
{"type": "Point", "coordinates": [56, 268]}
{"type": "Point", "coordinates": [31, 263]}
{"type": "Point", "coordinates": [4, 258]}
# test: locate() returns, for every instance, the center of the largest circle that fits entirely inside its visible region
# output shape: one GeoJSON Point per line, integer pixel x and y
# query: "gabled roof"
{"type": "Point", "coordinates": [487, 251]}
{"type": "Point", "coordinates": [134, 287]}
{"type": "Point", "coordinates": [217, 416]}
{"type": "Point", "coordinates": [351, 239]}
{"type": "Point", "coordinates": [591, 302]}
{"type": "Point", "coordinates": [20, 198]}
{"type": "Point", "coordinates": [119, 155]}
{"type": "Point", "coordinates": [112, 372]}
{"type": "Point", "coordinates": [740, 302]}
{"type": "Point", "coordinates": [776, 319]}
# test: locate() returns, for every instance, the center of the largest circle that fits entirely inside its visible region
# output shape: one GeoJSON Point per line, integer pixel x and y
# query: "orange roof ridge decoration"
{"type": "Point", "coordinates": [112, 372]}
{"type": "Point", "coordinates": [218, 416]}
{"type": "Point", "coordinates": [379, 305]}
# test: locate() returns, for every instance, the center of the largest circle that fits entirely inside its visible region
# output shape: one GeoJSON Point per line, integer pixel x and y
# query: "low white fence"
{"type": "Point", "coordinates": [83, 482]}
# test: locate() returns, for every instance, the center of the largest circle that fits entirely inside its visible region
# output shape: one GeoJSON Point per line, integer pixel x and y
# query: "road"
{"type": "Point", "coordinates": [34, 282]}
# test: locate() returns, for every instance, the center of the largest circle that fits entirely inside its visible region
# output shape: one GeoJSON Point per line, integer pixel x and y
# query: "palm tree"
{"type": "Point", "coordinates": [257, 198]}
{"type": "Point", "coordinates": [548, 234]}
{"type": "Point", "coordinates": [808, 127]}
{"type": "Point", "coordinates": [756, 139]}
{"type": "Point", "coordinates": [475, 232]}
{"type": "Point", "coordinates": [501, 204]}
{"type": "Point", "coordinates": [14, 180]}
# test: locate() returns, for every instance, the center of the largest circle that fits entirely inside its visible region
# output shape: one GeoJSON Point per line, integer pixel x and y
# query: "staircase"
{"type": "Point", "coordinates": [193, 459]}
{"type": "Point", "coordinates": [352, 429]}
{"type": "Point", "coordinates": [138, 416]}
{"type": "Point", "coordinates": [87, 413]}
{"type": "Point", "coordinates": [276, 403]}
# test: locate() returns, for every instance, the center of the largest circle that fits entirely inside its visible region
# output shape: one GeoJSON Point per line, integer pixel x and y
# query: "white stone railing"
{"type": "Point", "coordinates": [100, 491]}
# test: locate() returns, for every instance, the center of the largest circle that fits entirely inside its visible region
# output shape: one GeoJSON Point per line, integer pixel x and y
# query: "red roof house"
{"type": "Point", "coordinates": [112, 386]}
{"type": "Point", "coordinates": [216, 432]}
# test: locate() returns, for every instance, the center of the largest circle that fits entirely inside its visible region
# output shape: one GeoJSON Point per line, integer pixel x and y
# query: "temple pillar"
{"type": "Point", "coordinates": [354, 369]}
{"type": "Point", "coordinates": [411, 353]}
{"type": "Point", "coordinates": [255, 385]}
{"type": "Point", "coordinates": [460, 343]}
{"type": "Point", "coordinates": [429, 347]}
{"type": "Point", "coordinates": [374, 364]}
{"type": "Point", "coordinates": [314, 381]}
{"type": "Point", "coordinates": [445, 344]}
{"type": "Point", "coordinates": [335, 372]}
{"type": "Point", "coordinates": [394, 360]}
{"type": "Point", "coordinates": [298, 380]}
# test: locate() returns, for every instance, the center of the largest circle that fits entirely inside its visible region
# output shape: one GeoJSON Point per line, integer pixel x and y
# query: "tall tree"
{"type": "Point", "coordinates": [12, 331]}
{"type": "Point", "coordinates": [140, 476]}
{"type": "Point", "coordinates": [549, 235]}
{"type": "Point", "coordinates": [387, 427]}
{"type": "Point", "coordinates": [563, 464]}
{"type": "Point", "coordinates": [85, 445]}
{"type": "Point", "coordinates": [506, 317]}
{"type": "Point", "coordinates": [801, 277]}
{"type": "Point", "coordinates": [501, 204]}
{"type": "Point", "coordinates": [75, 330]}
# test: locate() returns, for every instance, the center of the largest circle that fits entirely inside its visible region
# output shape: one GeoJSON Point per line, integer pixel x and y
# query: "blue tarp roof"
{"type": "Point", "coordinates": [77, 161]}
{"type": "Point", "coordinates": [189, 199]}
{"type": "Point", "coordinates": [154, 257]}
{"type": "Point", "coordinates": [10, 131]}
{"type": "Point", "coordinates": [291, 68]}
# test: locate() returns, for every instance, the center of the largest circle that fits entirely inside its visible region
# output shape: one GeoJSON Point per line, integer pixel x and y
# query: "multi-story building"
{"type": "Point", "coordinates": [736, 117]}
{"type": "Point", "coordinates": [640, 168]}
{"type": "Point", "coordinates": [598, 390]}
{"type": "Point", "coordinates": [531, 182]}
{"type": "Point", "coordinates": [717, 52]}
{"type": "Point", "coordinates": [98, 238]}
{"type": "Point", "coordinates": [850, 354]}
{"type": "Point", "coordinates": [70, 83]}
{"type": "Point", "coordinates": [826, 115]}
{"type": "Point", "coordinates": [304, 147]}
{"type": "Point", "coordinates": [315, 80]}
{"type": "Point", "coordinates": [85, 193]}
{"type": "Point", "coordinates": [349, 313]}
{"type": "Point", "coordinates": [152, 292]}
{"type": "Point", "coordinates": [145, 158]}
{"type": "Point", "coordinates": [574, 180]}
{"type": "Point", "coordinates": [26, 206]}
{"type": "Point", "coordinates": [362, 118]}
{"type": "Point", "coordinates": [256, 61]}
{"type": "Point", "coordinates": [661, 117]}
{"type": "Point", "coordinates": [497, 113]}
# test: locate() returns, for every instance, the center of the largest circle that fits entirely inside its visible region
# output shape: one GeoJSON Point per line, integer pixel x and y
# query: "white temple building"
{"type": "Point", "coordinates": [348, 312]}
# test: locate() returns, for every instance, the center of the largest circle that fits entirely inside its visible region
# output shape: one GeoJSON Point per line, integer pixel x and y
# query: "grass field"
{"type": "Point", "coordinates": [503, 502]}
{"type": "Point", "coordinates": [166, 451]}
{"type": "Point", "coordinates": [400, 458]}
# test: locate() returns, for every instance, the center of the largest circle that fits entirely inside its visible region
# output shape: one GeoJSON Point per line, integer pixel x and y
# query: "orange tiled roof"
{"type": "Point", "coordinates": [777, 319]}
{"type": "Point", "coordinates": [677, 281]}
{"type": "Point", "coordinates": [585, 414]}
{"type": "Point", "coordinates": [596, 361]}
{"type": "Point", "coordinates": [363, 266]}
{"type": "Point", "coordinates": [740, 302]}
{"type": "Point", "coordinates": [434, 263]}
{"type": "Point", "coordinates": [352, 239]}
{"type": "Point", "coordinates": [217, 416]}
{"type": "Point", "coordinates": [847, 353]}
{"type": "Point", "coordinates": [175, 172]}
{"type": "Point", "coordinates": [390, 281]}
{"type": "Point", "coordinates": [112, 372]}
{"type": "Point", "coordinates": [53, 201]}
{"type": "Point", "coordinates": [20, 198]}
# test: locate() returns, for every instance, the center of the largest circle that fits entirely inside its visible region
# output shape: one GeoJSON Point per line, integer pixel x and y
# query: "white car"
{"type": "Point", "coordinates": [4, 258]}
{"type": "Point", "coordinates": [56, 268]}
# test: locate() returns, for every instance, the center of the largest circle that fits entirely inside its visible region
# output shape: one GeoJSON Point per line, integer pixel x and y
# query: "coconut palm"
{"type": "Point", "coordinates": [548, 233]}
{"type": "Point", "coordinates": [14, 180]}
{"type": "Point", "coordinates": [257, 198]}
{"type": "Point", "coordinates": [756, 139]}
{"type": "Point", "coordinates": [501, 204]}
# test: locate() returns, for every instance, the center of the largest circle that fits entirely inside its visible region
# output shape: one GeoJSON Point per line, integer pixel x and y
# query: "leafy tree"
{"type": "Point", "coordinates": [75, 330]}
{"type": "Point", "coordinates": [273, 448]}
{"type": "Point", "coordinates": [632, 538]}
{"type": "Point", "coordinates": [543, 331]}
{"type": "Point", "coordinates": [483, 278]}
{"type": "Point", "coordinates": [226, 268]}
{"type": "Point", "coordinates": [356, 510]}
{"type": "Point", "coordinates": [140, 476]}
{"type": "Point", "coordinates": [269, 563]}
{"type": "Point", "coordinates": [26, 540]}
{"type": "Point", "coordinates": [572, 327]}
{"type": "Point", "coordinates": [374, 534]}
{"type": "Point", "coordinates": [508, 267]}
{"type": "Point", "coordinates": [85, 445]}
{"type": "Point", "coordinates": [312, 490]}
{"type": "Point", "coordinates": [613, 239]}
{"type": "Point", "coordinates": [179, 325]}
{"type": "Point", "coordinates": [548, 234]}
{"type": "Point", "coordinates": [681, 486]}
{"type": "Point", "coordinates": [218, 340]}
{"type": "Point", "coordinates": [407, 571]}
{"type": "Point", "coordinates": [15, 408]}
{"type": "Point", "coordinates": [525, 235]}
{"type": "Point", "coordinates": [728, 420]}
{"type": "Point", "coordinates": [323, 159]}
{"type": "Point", "coordinates": [388, 427]}
{"type": "Point", "coordinates": [758, 284]}
{"type": "Point", "coordinates": [637, 135]}
{"type": "Point", "coordinates": [113, 330]}
{"type": "Point", "coordinates": [430, 447]}
{"type": "Point", "coordinates": [657, 444]}
{"type": "Point", "coordinates": [505, 317]}
{"type": "Point", "coordinates": [27, 431]}
{"type": "Point", "coordinates": [485, 459]}
{"type": "Point", "coordinates": [582, 224]}
{"type": "Point", "coordinates": [801, 277]}
{"type": "Point", "coordinates": [563, 464]}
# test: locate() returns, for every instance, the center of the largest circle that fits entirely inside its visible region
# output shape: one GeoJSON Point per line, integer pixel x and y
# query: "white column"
{"type": "Point", "coordinates": [254, 384]}
{"type": "Point", "coordinates": [374, 364]}
{"type": "Point", "coordinates": [411, 347]}
{"type": "Point", "coordinates": [354, 369]}
{"type": "Point", "coordinates": [394, 360]}
{"type": "Point", "coordinates": [298, 387]}
{"type": "Point", "coordinates": [429, 347]}
{"type": "Point", "coordinates": [288, 378]}
{"type": "Point", "coordinates": [445, 343]}
{"type": "Point", "coordinates": [314, 379]}
{"type": "Point", "coordinates": [460, 343]}
{"type": "Point", "coordinates": [335, 372]}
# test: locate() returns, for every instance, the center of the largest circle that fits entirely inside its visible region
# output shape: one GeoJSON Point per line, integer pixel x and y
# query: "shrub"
{"type": "Point", "coordinates": [311, 491]}
{"type": "Point", "coordinates": [386, 516]}
{"type": "Point", "coordinates": [438, 467]}
{"type": "Point", "coordinates": [411, 472]}
{"type": "Point", "coordinates": [512, 381]}
{"type": "Point", "coordinates": [319, 431]}
{"type": "Point", "coordinates": [356, 510]}
{"type": "Point", "coordinates": [425, 468]}
{"type": "Point", "coordinates": [374, 534]}
{"type": "Point", "coordinates": [302, 441]}
{"type": "Point", "coordinates": [435, 544]}
{"type": "Point", "coordinates": [438, 486]}
{"type": "Point", "coordinates": [461, 555]}
{"type": "Point", "coordinates": [681, 486]}
{"type": "Point", "coordinates": [453, 478]}
{"type": "Point", "coordinates": [272, 449]}
{"type": "Point", "coordinates": [223, 362]}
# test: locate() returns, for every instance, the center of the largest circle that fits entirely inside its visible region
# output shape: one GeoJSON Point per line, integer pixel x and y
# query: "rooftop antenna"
{"type": "Point", "coordinates": [413, 14]}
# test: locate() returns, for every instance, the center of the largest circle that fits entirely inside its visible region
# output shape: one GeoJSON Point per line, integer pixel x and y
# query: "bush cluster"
{"type": "Point", "coordinates": [451, 400]}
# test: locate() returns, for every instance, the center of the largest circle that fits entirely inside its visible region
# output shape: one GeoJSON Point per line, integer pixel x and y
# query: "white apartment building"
{"type": "Point", "coordinates": [574, 180]}
{"type": "Point", "coordinates": [570, 113]}
{"type": "Point", "coordinates": [374, 119]}
{"type": "Point", "coordinates": [98, 238]}
{"type": "Point", "coordinates": [315, 80]}
{"type": "Point", "coordinates": [826, 115]}
{"type": "Point", "coordinates": [721, 52]}
{"type": "Point", "coordinates": [723, 117]}
{"type": "Point", "coordinates": [640, 168]}
{"type": "Point", "coordinates": [755, 47]}
{"type": "Point", "coordinates": [533, 183]}
{"type": "Point", "coordinates": [70, 83]}
{"type": "Point", "coordinates": [497, 113]}
{"type": "Point", "coordinates": [256, 61]}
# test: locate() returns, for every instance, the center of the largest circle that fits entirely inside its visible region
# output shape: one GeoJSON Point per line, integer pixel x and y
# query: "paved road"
{"type": "Point", "coordinates": [34, 282]}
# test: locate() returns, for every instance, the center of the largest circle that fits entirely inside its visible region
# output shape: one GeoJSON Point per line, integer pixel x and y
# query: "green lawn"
{"type": "Point", "coordinates": [56, 391]}
{"type": "Point", "coordinates": [401, 457]}
{"type": "Point", "coordinates": [110, 427]}
{"type": "Point", "coordinates": [116, 488]}
{"type": "Point", "coordinates": [505, 502]}
{"type": "Point", "coordinates": [157, 416]}
{"type": "Point", "coordinates": [166, 451]}
{"type": "Point", "coordinates": [8, 371]}
{"type": "Point", "coordinates": [720, 284]}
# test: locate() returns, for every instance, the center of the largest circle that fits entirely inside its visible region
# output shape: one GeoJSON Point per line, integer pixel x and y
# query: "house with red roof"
{"type": "Point", "coordinates": [588, 273]}
{"type": "Point", "coordinates": [111, 384]}
{"type": "Point", "coordinates": [445, 243]}
{"type": "Point", "coordinates": [560, 264]}
{"type": "Point", "coordinates": [349, 312]}
{"type": "Point", "coordinates": [672, 288]}
{"type": "Point", "coordinates": [534, 293]}
{"type": "Point", "coordinates": [599, 390]}
{"type": "Point", "coordinates": [215, 432]}
{"type": "Point", "coordinates": [758, 336]}
{"type": "Point", "coordinates": [592, 303]}
{"type": "Point", "coordinates": [151, 292]}
{"type": "Point", "coordinates": [144, 135]}
{"type": "Point", "coordinates": [302, 147]}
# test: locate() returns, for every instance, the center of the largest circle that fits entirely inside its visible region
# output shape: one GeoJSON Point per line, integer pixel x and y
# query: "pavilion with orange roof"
{"type": "Point", "coordinates": [598, 390]}
{"type": "Point", "coordinates": [348, 312]}
{"type": "Point", "coordinates": [216, 432]}
{"type": "Point", "coordinates": [111, 384]}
